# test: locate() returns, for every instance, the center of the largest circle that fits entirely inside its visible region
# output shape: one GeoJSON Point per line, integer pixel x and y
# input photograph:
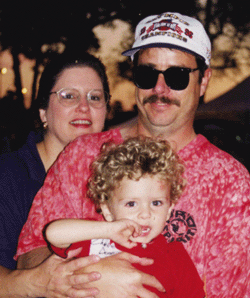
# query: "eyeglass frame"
{"type": "Point", "coordinates": [107, 97]}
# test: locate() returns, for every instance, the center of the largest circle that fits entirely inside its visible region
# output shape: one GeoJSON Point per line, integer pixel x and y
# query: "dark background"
{"type": "Point", "coordinates": [25, 26]}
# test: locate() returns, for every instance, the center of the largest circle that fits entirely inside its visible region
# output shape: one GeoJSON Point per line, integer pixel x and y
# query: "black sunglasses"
{"type": "Point", "coordinates": [177, 78]}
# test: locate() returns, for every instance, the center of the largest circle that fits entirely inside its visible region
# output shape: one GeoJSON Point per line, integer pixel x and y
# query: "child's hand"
{"type": "Point", "coordinates": [124, 231]}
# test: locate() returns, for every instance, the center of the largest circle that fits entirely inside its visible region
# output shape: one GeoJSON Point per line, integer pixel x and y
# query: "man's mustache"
{"type": "Point", "coordinates": [155, 98]}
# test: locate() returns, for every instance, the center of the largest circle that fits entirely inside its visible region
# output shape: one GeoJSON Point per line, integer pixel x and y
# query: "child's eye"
{"type": "Point", "coordinates": [130, 204]}
{"type": "Point", "coordinates": [157, 203]}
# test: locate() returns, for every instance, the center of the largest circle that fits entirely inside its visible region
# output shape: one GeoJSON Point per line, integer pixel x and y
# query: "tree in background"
{"type": "Point", "coordinates": [41, 29]}
{"type": "Point", "coordinates": [27, 26]}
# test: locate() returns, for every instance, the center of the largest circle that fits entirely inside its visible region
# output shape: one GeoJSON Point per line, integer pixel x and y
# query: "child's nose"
{"type": "Point", "coordinates": [145, 212]}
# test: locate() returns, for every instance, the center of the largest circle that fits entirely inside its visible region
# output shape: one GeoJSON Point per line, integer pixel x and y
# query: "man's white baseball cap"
{"type": "Point", "coordinates": [172, 30]}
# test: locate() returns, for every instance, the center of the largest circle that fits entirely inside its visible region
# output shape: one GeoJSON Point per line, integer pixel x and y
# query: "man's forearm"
{"type": "Point", "coordinates": [16, 283]}
{"type": "Point", "coordinates": [53, 276]}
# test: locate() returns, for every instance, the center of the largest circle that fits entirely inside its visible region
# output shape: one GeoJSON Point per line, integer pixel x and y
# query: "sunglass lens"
{"type": "Point", "coordinates": [145, 77]}
{"type": "Point", "coordinates": [177, 78]}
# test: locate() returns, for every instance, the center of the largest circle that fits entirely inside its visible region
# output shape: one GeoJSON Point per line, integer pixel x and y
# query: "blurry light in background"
{"type": "Point", "coordinates": [4, 70]}
{"type": "Point", "coordinates": [24, 90]}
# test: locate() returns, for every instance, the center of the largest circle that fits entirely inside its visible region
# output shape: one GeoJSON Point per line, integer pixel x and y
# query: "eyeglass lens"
{"type": "Point", "coordinates": [70, 97]}
{"type": "Point", "coordinates": [177, 78]}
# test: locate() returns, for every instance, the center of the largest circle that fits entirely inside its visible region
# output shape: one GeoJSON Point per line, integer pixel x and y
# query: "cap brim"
{"type": "Point", "coordinates": [133, 51]}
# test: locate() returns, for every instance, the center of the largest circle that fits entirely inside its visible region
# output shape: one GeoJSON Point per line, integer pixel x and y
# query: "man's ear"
{"type": "Point", "coordinates": [205, 80]}
{"type": "Point", "coordinates": [106, 212]}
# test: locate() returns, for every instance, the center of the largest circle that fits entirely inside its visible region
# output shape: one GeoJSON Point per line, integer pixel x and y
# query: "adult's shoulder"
{"type": "Point", "coordinates": [90, 143]}
{"type": "Point", "coordinates": [201, 154]}
{"type": "Point", "coordinates": [213, 173]}
{"type": "Point", "coordinates": [21, 175]}
{"type": "Point", "coordinates": [81, 152]}
{"type": "Point", "coordinates": [23, 162]}
{"type": "Point", "coordinates": [11, 163]}
{"type": "Point", "coordinates": [100, 137]}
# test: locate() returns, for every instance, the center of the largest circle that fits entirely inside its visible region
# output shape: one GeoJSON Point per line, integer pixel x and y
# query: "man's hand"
{"type": "Point", "coordinates": [121, 280]}
{"type": "Point", "coordinates": [55, 277]}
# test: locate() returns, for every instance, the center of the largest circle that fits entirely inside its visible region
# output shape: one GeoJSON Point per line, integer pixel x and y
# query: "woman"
{"type": "Point", "coordinates": [72, 100]}
{"type": "Point", "coordinates": [67, 109]}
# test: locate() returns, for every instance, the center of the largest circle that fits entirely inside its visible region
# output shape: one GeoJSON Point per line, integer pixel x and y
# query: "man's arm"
{"type": "Point", "coordinates": [14, 283]}
{"type": "Point", "coordinates": [117, 275]}
{"type": "Point", "coordinates": [53, 277]}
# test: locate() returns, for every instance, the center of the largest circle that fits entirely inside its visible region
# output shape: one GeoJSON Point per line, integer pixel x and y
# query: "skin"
{"type": "Point", "coordinates": [53, 278]}
{"type": "Point", "coordinates": [67, 123]}
{"type": "Point", "coordinates": [120, 277]}
{"type": "Point", "coordinates": [146, 202]}
{"type": "Point", "coordinates": [168, 121]}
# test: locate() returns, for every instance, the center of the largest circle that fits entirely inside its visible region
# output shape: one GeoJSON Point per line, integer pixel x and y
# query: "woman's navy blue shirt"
{"type": "Point", "coordinates": [21, 175]}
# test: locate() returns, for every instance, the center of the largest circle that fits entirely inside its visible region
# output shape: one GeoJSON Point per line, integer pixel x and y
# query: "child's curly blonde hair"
{"type": "Point", "coordinates": [133, 159]}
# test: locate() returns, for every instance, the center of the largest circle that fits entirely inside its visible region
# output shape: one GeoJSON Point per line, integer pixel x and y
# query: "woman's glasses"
{"type": "Point", "coordinates": [177, 78]}
{"type": "Point", "coordinates": [71, 97]}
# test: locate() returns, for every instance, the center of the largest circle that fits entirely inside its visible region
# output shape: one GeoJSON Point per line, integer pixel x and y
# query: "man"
{"type": "Point", "coordinates": [171, 57]}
